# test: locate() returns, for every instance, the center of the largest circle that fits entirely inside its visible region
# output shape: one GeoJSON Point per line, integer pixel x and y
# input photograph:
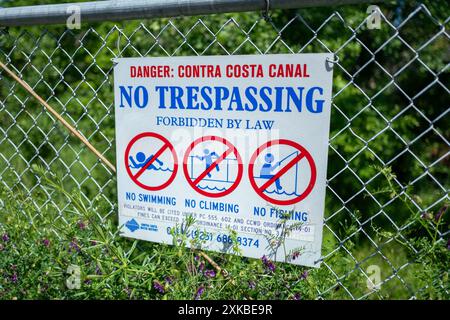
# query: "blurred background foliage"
{"type": "Point", "coordinates": [388, 158]}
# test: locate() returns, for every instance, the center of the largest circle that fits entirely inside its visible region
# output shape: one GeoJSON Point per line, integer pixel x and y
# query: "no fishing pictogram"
{"type": "Point", "coordinates": [152, 174]}
{"type": "Point", "coordinates": [269, 179]}
{"type": "Point", "coordinates": [216, 166]}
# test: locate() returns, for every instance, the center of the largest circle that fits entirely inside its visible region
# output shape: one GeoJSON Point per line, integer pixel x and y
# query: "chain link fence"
{"type": "Point", "coordinates": [389, 139]}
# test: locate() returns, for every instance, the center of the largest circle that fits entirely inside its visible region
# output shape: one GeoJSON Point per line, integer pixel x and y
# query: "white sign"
{"type": "Point", "coordinates": [237, 142]}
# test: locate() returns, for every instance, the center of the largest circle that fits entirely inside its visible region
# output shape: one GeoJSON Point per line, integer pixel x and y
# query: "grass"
{"type": "Point", "coordinates": [39, 250]}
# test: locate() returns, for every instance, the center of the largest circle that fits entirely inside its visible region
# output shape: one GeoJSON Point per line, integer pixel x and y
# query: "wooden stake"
{"type": "Point", "coordinates": [59, 117]}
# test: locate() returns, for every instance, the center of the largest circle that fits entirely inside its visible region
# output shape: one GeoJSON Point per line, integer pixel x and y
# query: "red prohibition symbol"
{"type": "Point", "coordinates": [302, 153]}
{"type": "Point", "coordinates": [195, 181]}
{"type": "Point", "coordinates": [166, 145]}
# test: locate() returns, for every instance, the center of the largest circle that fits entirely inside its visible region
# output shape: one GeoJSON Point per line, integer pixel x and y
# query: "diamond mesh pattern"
{"type": "Point", "coordinates": [389, 110]}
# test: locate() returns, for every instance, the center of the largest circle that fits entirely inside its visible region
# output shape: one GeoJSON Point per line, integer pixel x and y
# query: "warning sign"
{"type": "Point", "coordinates": [251, 134]}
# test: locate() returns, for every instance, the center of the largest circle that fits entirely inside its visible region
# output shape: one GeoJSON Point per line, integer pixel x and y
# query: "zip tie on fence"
{"type": "Point", "coordinates": [336, 59]}
{"type": "Point", "coordinates": [119, 52]}
{"type": "Point", "coordinates": [74, 131]}
{"type": "Point", "coordinates": [266, 12]}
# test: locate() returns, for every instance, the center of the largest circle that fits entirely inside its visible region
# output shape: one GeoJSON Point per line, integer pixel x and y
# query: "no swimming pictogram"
{"type": "Point", "coordinates": [151, 161]}
{"type": "Point", "coordinates": [291, 156]}
{"type": "Point", "coordinates": [251, 147]}
{"type": "Point", "coordinates": [212, 166]}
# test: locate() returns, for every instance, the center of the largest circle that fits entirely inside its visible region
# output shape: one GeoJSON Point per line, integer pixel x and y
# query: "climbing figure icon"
{"type": "Point", "coordinates": [212, 166]}
{"type": "Point", "coordinates": [267, 168]}
{"type": "Point", "coordinates": [208, 158]}
{"type": "Point", "coordinates": [142, 161]}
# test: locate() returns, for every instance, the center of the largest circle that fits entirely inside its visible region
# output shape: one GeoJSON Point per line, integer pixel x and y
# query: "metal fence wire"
{"type": "Point", "coordinates": [389, 138]}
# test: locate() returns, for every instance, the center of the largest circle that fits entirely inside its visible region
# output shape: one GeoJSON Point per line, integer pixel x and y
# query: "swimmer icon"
{"type": "Point", "coordinates": [142, 161]}
{"type": "Point", "coordinates": [155, 171]}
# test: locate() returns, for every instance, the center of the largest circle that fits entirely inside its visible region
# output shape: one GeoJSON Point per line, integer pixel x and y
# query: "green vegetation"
{"type": "Point", "coordinates": [37, 250]}
{"type": "Point", "coordinates": [388, 172]}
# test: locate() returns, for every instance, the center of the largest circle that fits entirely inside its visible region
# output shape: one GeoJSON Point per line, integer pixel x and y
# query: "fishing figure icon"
{"type": "Point", "coordinates": [267, 172]}
{"type": "Point", "coordinates": [267, 168]}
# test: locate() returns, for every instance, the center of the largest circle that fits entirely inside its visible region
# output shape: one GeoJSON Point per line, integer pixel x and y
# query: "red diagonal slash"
{"type": "Point", "coordinates": [155, 156]}
{"type": "Point", "coordinates": [213, 165]}
{"type": "Point", "coordinates": [281, 172]}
